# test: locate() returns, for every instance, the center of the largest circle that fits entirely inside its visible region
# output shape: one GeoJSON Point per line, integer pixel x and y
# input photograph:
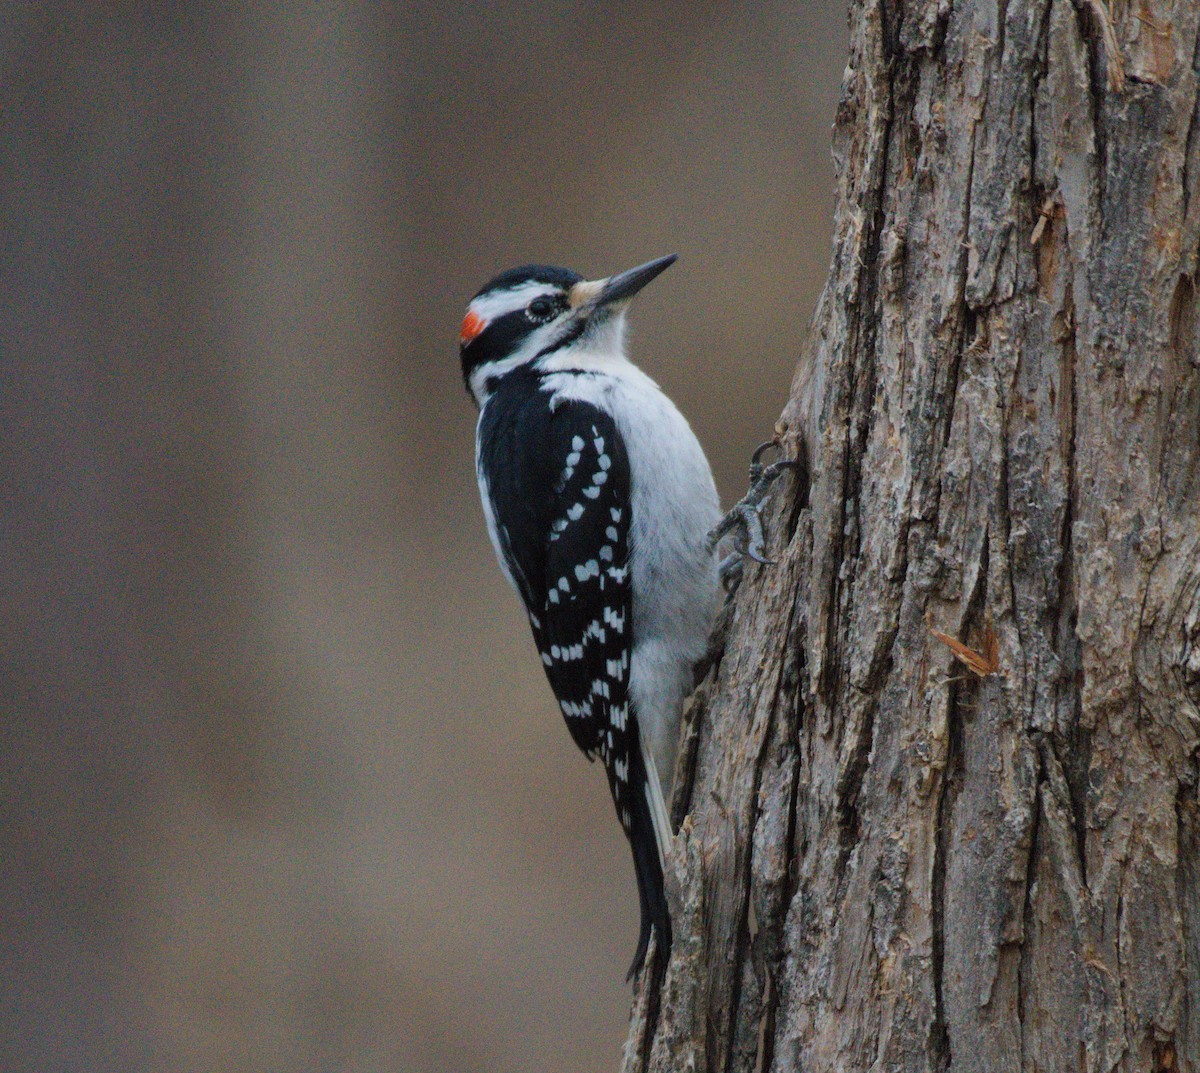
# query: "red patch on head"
{"type": "Point", "coordinates": [472, 325]}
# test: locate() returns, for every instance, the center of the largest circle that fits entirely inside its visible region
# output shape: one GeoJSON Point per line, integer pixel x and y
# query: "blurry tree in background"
{"type": "Point", "coordinates": [943, 809]}
{"type": "Point", "coordinates": [282, 786]}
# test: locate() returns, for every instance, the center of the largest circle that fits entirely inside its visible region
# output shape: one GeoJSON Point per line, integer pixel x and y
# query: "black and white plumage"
{"type": "Point", "coordinates": [598, 500]}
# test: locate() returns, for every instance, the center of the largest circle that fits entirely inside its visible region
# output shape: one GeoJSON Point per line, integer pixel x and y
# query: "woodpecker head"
{"type": "Point", "coordinates": [536, 313]}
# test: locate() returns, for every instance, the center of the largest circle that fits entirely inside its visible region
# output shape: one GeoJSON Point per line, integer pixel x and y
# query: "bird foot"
{"type": "Point", "coordinates": [746, 516]}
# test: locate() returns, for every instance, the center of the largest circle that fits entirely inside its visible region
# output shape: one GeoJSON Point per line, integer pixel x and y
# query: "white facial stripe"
{"type": "Point", "coordinates": [496, 303]}
{"type": "Point", "coordinates": [531, 346]}
{"type": "Point", "coordinates": [480, 376]}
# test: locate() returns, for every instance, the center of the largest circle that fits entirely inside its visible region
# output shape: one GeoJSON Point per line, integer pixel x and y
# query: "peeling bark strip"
{"type": "Point", "coordinates": [889, 862]}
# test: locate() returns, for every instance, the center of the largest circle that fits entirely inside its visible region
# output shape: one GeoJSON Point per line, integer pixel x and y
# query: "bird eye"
{"type": "Point", "coordinates": [541, 309]}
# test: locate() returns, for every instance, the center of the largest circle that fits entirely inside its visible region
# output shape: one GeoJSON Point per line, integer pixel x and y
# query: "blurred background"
{"type": "Point", "coordinates": [282, 786]}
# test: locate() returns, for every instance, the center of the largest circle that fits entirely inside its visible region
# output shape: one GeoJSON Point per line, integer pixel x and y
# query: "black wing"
{"type": "Point", "coordinates": [560, 498]}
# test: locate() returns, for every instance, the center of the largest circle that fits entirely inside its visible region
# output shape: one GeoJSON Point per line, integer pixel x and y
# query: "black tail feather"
{"type": "Point", "coordinates": [648, 867]}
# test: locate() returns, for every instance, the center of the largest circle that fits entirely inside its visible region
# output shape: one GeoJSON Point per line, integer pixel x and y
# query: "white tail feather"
{"type": "Point", "coordinates": [658, 806]}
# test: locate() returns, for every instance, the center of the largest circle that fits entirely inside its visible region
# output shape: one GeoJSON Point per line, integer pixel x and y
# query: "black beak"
{"type": "Point", "coordinates": [627, 284]}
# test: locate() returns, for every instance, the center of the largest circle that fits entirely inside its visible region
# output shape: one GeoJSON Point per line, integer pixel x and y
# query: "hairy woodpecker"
{"type": "Point", "coordinates": [598, 501]}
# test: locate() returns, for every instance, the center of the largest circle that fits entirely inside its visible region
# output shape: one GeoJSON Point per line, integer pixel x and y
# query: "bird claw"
{"type": "Point", "coordinates": [746, 515]}
{"type": "Point", "coordinates": [730, 571]}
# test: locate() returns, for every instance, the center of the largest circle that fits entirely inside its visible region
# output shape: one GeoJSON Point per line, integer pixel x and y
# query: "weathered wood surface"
{"type": "Point", "coordinates": [888, 862]}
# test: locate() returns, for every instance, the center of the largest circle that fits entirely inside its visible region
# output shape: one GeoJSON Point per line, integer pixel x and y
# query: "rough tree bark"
{"type": "Point", "coordinates": [887, 860]}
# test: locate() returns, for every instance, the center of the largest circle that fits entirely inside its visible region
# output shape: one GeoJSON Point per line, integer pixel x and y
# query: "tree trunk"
{"type": "Point", "coordinates": [890, 860]}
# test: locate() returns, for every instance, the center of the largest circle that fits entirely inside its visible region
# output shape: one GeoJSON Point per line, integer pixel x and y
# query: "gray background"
{"type": "Point", "coordinates": [282, 785]}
